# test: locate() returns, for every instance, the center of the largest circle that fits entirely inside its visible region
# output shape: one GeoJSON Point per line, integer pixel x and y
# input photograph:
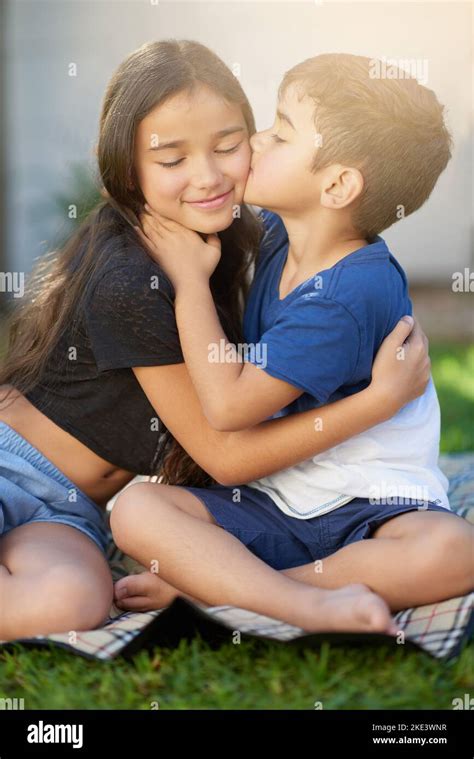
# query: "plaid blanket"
{"type": "Point", "coordinates": [440, 629]}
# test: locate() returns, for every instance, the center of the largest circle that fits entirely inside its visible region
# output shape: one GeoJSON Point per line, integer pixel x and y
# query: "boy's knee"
{"type": "Point", "coordinates": [455, 536]}
{"type": "Point", "coordinates": [125, 513]}
{"type": "Point", "coordinates": [122, 510]}
{"type": "Point", "coordinates": [461, 547]}
{"type": "Point", "coordinates": [449, 544]}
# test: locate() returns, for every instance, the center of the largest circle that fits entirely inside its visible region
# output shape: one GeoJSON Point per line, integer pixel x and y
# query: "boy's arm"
{"type": "Point", "coordinates": [237, 457]}
{"type": "Point", "coordinates": [234, 394]}
{"type": "Point", "coordinates": [313, 347]}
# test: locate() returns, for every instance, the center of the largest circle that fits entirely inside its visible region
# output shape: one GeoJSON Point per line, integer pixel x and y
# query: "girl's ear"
{"type": "Point", "coordinates": [130, 183]}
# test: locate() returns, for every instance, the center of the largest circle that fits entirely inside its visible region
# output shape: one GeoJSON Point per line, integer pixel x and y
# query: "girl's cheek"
{"type": "Point", "coordinates": [240, 166]}
{"type": "Point", "coordinates": [174, 182]}
{"type": "Point", "coordinates": [166, 186]}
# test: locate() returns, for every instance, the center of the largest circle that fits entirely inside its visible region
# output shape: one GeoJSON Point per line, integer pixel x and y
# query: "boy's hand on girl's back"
{"type": "Point", "coordinates": [402, 366]}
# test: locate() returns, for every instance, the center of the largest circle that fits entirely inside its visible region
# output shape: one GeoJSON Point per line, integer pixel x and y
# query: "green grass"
{"type": "Point", "coordinates": [259, 674]}
{"type": "Point", "coordinates": [252, 675]}
{"type": "Point", "coordinates": [453, 375]}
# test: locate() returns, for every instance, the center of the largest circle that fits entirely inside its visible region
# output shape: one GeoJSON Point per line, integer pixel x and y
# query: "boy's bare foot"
{"type": "Point", "coordinates": [145, 592]}
{"type": "Point", "coordinates": [352, 608]}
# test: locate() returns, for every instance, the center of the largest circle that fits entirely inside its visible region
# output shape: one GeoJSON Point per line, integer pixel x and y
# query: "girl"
{"type": "Point", "coordinates": [96, 390]}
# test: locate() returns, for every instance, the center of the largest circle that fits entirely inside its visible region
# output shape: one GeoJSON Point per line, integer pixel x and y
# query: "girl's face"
{"type": "Point", "coordinates": [189, 149]}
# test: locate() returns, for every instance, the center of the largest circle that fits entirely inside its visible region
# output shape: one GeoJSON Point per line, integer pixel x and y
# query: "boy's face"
{"type": "Point", "coordinates": [280, 178]}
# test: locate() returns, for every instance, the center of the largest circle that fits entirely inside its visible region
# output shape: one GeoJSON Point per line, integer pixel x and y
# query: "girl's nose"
{"type": "Point", "coordinates": [207, 174]}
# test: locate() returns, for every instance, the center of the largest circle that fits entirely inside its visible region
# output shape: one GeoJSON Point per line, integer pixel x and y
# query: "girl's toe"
{"type": "Point", "coordinates": [132, 585]}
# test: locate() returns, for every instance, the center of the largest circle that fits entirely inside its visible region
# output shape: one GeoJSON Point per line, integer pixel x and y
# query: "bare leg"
{"type": "Point", "coordinates": [208, 563]}
{"type": "Point", "coordinates": [53, 579]}
{"type": "Point", "coordinates": [410, 548]}
{"type": "Point", "coordinates": [414, 559]}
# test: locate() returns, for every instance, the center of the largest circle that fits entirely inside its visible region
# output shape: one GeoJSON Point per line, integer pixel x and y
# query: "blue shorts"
{"type": "Point", "coordinates": [282, 541]}
{"type": "Point", "coordinates": [32, 489]}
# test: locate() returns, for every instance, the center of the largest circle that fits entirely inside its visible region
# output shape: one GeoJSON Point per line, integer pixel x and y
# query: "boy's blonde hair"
{"type": "Point", "coordinates": [391, 129]}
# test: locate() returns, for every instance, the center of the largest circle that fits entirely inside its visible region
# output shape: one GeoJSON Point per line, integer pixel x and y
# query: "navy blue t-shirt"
{"type": "Point", "coordinates": [324, 335]}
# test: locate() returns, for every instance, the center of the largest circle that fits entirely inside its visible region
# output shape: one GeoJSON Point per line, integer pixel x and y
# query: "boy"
{"type": "Point", "coordinates": [349, 155]}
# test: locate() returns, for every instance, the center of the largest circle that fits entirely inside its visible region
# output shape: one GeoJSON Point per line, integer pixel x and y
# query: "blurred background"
{"type": "Point", "coordinates": [58, 55]}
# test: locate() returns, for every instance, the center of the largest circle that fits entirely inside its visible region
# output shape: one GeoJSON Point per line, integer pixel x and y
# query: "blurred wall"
{"type": "Point", "coordinates": [50, 118]}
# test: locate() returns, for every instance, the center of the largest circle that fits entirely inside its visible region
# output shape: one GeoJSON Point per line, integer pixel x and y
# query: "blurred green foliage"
{"type": "Point", "coordinates": [74, 204]}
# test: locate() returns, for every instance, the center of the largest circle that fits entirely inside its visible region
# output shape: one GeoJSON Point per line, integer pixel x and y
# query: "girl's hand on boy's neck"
{"type": "Point", "coordinates": [182, 253]}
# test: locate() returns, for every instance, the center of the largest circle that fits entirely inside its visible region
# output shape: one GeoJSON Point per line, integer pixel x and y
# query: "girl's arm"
{"type": "Point", "coordinates": [233, 395]}
{"type": "Point", "coordinates": [238, 457]}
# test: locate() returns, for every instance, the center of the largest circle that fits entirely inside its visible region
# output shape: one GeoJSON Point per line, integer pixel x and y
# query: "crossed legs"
{"type": "Point", "coordinates": [416, 558]}
{"type": "Point", "coordinates": [169, 530]}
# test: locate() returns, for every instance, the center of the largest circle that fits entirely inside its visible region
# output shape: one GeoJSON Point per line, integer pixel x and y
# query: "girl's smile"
{"type": "Point", "coordinates": [213, 202]}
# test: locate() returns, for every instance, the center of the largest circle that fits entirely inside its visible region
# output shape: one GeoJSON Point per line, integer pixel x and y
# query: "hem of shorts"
{"type": "Point", "coordinates": [245, 535]}
{"type": "Point", "coordinates": [192, 489]}
{"type": "Point", "coordinates": [75, 526]}
{"type": "Point", "coordinates": [379, 521]}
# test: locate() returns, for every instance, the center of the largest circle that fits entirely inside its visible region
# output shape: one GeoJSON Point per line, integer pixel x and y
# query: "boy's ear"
{"type": "Point", "coordinates": [340, 186]}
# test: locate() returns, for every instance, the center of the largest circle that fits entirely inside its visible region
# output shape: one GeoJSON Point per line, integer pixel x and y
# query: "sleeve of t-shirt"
{"type": "Point", "coordinates": [130, 318]}
{"type": "Point", "coordinates": [313, 345]}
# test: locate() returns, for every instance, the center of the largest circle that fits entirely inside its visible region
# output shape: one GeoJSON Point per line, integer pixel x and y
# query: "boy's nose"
{"type": "Point", "coordinates": [256, 141]}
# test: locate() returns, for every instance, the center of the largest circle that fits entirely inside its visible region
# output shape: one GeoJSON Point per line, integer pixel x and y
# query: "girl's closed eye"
{"type": "Point", "coordinates": [277, 138]}
{"type": "Point", "coordinates": [175, 163]}
{"type": "Point", "coordinates": [230, 150]}
{"type": "Point", "coordinates": [169, 165]}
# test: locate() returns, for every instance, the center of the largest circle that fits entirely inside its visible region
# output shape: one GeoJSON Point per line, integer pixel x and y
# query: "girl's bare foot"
{"type": "Point", "coordinates": [145, 592]}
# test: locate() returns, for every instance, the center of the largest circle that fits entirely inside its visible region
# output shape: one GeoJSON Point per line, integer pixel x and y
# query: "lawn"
{"type": "Point", "coordinates": [258, 674]}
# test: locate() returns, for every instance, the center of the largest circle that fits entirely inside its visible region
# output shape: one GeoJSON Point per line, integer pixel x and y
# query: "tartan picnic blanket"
{"type": "Point", "coordinates": [441, 630]}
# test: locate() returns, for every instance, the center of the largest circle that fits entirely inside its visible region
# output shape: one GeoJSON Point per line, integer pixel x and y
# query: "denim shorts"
{"type": "Point", "coordinates": [282, 541]}
{"type": "Point", "coordinates": [32, 489]}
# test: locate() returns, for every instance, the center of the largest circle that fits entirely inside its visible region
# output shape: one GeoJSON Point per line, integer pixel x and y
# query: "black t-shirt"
{"type": "Point", "coordinates": [88, 387]}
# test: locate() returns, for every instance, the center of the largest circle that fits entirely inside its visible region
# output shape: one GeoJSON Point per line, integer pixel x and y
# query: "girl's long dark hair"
{"type": "Point", "coordinates": [58, 283]}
